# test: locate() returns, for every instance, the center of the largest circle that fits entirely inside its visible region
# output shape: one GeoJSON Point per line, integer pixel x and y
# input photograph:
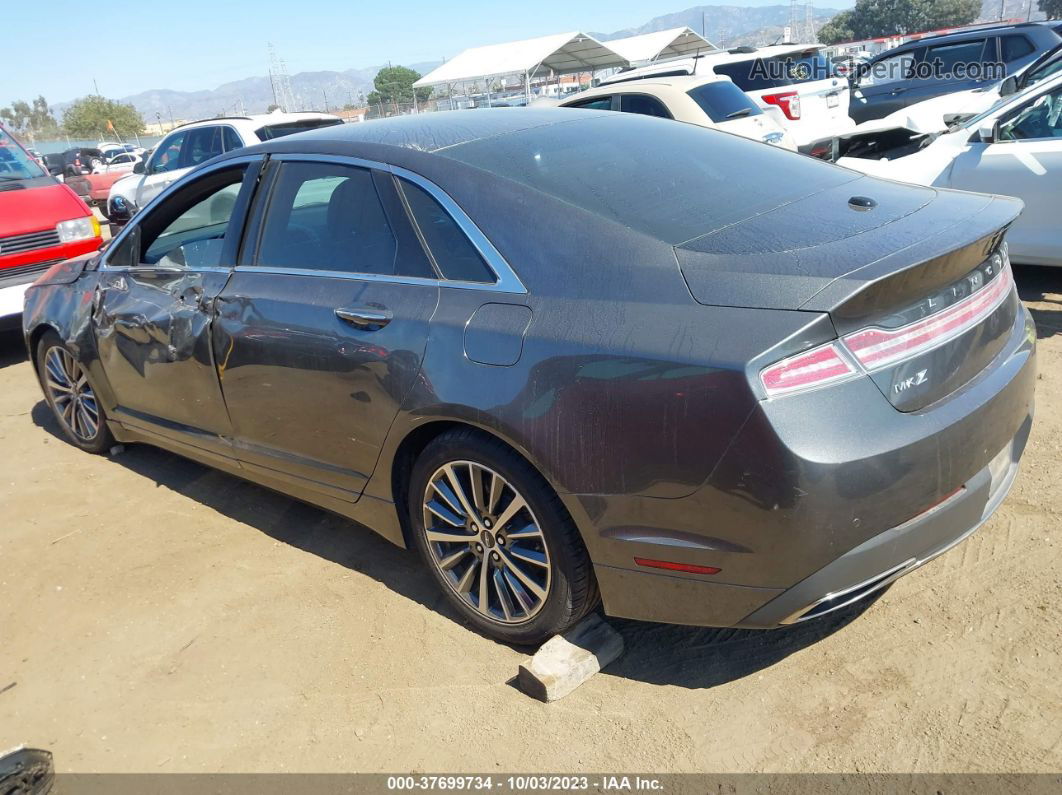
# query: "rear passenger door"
{"type": "Point", "coordinates": [322, 328]}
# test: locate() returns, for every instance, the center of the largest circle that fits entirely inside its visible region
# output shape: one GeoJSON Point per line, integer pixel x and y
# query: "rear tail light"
{"type": "Point", "coordinates": [788, 101]}
{"type": "Point", "coordinates": [817, 367]}
{"type": "Point", "coordinates": [871, 349]}
{"type": "Point", "coordinates": [876, 348]}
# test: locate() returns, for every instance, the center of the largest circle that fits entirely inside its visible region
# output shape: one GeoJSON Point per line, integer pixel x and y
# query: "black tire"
{"type": "Point", "coordinates": [572, 590]}
{"type": "Point", "coordinates": [101, 440]}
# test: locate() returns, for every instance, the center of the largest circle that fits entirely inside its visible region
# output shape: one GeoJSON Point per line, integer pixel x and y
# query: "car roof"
{"type": "Point", "coordinates": [974, 33]}
{"type": "Point", "coordinates": [260, 119]}
{"type": "Point", "coordinates": [639, 84]}
{"type": "Point", "coordinates": [429, 132]}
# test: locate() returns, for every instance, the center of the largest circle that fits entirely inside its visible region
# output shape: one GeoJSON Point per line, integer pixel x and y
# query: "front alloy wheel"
{"type": "Point", "coordinates": [71, 396]}
{"type": "Point", "coordinates": [70, 393]}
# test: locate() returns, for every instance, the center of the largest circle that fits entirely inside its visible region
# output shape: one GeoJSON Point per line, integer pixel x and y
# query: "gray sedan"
{"type": "Point", "coordinates": [568, 356]}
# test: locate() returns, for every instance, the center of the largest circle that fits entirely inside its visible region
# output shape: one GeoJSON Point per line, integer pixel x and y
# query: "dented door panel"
{"type": "Point", "coordinates": [152, 329]}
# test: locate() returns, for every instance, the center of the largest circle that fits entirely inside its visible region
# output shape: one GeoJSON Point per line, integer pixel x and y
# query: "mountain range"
{"type": "Point", "coordinates": [725, 25]}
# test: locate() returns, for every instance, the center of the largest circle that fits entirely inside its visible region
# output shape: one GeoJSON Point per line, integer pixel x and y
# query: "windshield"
{"type": "Point", "coordinates": [15, 162]}
{"type": "Point", "coordinates": [271, 131]}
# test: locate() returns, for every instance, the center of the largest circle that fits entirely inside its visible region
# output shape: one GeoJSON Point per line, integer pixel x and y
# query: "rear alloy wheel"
{"type": "Point", "coordinates": [71, 396]}
{"type": "Point", "coordinates": [486, 543]}
{"type": "Point", "coordinates": [498, 540]}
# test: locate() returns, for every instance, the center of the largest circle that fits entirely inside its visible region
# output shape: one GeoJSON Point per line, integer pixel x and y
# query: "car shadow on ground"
{"type": "Point", "coordinates": [1042, 286]}
{"type": "Point", "coordinates": [662, 654]}
{"type": "Point", "coordinates": [12, 348]}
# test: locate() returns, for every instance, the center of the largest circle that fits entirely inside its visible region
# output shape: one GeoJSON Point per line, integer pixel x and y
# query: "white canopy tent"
{"type": "Point", "coordinates": [660, 44]}
{"type": "Point", "coordinates": [561, 53]}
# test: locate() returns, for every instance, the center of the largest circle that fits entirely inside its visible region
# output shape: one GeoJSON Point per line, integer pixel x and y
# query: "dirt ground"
{"type": "Point", "coordinates": [156, 615]}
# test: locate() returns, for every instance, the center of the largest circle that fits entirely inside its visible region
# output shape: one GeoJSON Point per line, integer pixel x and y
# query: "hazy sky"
{"type": "Point", "coordinates": [200, 44]}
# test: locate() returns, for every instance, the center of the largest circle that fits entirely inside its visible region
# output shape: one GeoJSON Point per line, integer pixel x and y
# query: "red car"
{"type": "Point", "coordinates": [41, 222]}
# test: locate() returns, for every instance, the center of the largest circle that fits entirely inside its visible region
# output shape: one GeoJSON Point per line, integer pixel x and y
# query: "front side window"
{"type": "Point", "coordinates": [1042, 118]}
{"type": "Point", "coordinates": [641, 104]}
{"type": "Point", "coordinates": [203, 143]}
{"type": "Point", "coordinates": [454, 254]}
{"type": "Point", "coordinates": [186, 231]}
{"type": "Point", "coordinates": [889, 70]}
{"type": "Point", "coordinates": [1046, 70]}
{"type": "Point", "coordinates": [168, 155]}
{"type": "Point", "coordinates": [329, 217]}
{"type": "Point", "coordinates": [723, 101]}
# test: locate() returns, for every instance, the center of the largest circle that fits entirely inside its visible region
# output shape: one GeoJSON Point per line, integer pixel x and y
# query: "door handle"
{"type": "Point", "coordinates": [369, 318]}
{"type": "Point", "coordinates": [896, 91]}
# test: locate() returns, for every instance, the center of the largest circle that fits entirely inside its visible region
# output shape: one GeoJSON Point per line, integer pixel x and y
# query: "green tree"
{"type": "Point", "coordinates": [873, 18]}
{"type": "Point", "coordinates": [98, 116]}
{"type": "Point", "coordinates": [394, 85]}
{"type": "Point", "coordinates": [837, 29]}
{"type": "Point", "coordinates": [1053, 8]}
{"type": "Point", "coordinates": [31, 120]}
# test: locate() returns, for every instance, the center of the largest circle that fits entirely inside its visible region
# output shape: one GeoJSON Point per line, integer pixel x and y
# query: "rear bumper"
{"type": "Point", "coordinates": [810, 510]}
{"type": "Point", "coordinates": [860, 572]}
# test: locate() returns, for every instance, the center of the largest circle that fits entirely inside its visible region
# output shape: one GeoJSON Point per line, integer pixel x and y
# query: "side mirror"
{"type": "Point", "coordinates": [988, 132]}
{"type": "Point", "coordinates": [1008, 87]}
{"type": "Point", "coordinates": [139, 168]}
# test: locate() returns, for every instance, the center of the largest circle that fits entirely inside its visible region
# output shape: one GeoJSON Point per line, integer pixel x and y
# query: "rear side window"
{"type": "Point", "coordinates": [945, 56]}
{"type": "Point", "coordinates": [1014, 47]}
{"type": "Point", "coordinates": [723, 101]}
{"type": "Point", "coordinates": [271, 131]}
{"type": "Point", "coordinates": [230, 139]}
{"type": "Point", "coordinates": [455, 256]}
{"type": "Point", "coordinates": [324, 216]}
{"type": "Point", "coordinates": [598, 103]}
{"type": "Point", "coordinates": [644, 105]}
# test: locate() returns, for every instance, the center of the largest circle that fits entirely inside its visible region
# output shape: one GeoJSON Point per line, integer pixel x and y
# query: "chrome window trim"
{"type": "Point", "coordinates": [506, 279]}
{"type": "Point", "coordinates": [195, 173]}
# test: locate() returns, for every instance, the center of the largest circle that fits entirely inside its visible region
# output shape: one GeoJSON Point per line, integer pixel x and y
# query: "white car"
{"type": "Point", "coordinates": [123, 161]}
{"type": "Point", "coordinates": [1014, 149]}
{"type": "Point", "coordinates": [796, 81]}
{"type": "Point", "coordinates": [705, 100]}
{"type": "Point", "coordinates": [187, 146]}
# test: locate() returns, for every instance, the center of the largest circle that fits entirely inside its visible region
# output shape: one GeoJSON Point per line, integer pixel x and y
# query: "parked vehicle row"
{"type": "Point", "coordinates": [733, 385]}
{"type": "Point", "coordinates": [189, 145]}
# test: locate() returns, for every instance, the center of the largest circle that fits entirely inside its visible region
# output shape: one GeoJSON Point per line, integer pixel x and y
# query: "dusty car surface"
{"type": "Point", "coordinates": [558, 368]}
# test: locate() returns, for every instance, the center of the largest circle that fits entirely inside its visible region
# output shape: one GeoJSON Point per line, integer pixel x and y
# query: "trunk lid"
{"type": "Point", "coordinates": [914, 253]}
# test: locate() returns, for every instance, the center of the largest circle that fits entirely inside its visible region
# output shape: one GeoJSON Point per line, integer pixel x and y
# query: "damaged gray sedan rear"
{"type": "Point", "coordinates": [568, 356]}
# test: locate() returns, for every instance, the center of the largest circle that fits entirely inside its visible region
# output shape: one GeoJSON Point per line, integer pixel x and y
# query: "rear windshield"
{"type": "Point", "coordinates": [672, 181]}
{"type": "Point", "coordinates": [723, 101]}
{"type": "Point", "coordinates": [271, 131]}
{"type": "Point", "coordinates": [15, 162]}
{"type": "Point", "coordinates": [758, 74]}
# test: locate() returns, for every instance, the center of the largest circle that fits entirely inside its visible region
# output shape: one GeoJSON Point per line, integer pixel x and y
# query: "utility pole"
{"type": "Point", "coordinates": [97, 88]}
